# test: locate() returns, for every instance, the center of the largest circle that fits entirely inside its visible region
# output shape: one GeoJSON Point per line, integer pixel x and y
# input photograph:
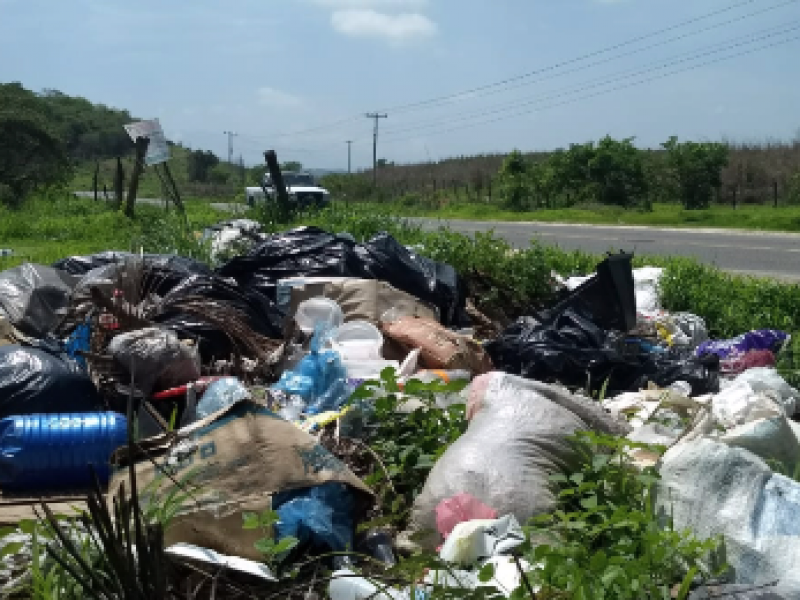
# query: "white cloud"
{"type": "Point", "coordinates": [278, 98]}
{"type": "Point", "coordinates": [371, 23]}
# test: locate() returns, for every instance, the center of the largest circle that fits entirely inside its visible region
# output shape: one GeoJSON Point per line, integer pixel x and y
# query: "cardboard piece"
{"type": "Point", "coordinates": [233, 462]}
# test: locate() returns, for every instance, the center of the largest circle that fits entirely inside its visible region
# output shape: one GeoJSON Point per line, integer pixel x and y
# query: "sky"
{"type": "Point", "coordinates": [299, 76]}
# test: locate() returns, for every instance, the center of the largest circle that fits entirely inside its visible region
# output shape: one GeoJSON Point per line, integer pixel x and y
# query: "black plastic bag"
{"type": "Point", "coordinates": [384, 258]}
{"type": "Point", "coordinates": [305, 251]}
{"type": "Point", "coordinates": [609, 296]}
{"type": "Point", "coordinates": [37, 380]}
{"type": "Point", "coordinates": [261, 314]}
{"type": "Point", "coordinates": [571, 349]}
{"type": "Point", "coordinates": [35, 298]}
{"type": "Point", "coordinates": [312, 252]}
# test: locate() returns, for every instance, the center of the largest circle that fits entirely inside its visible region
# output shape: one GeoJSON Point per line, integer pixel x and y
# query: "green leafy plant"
{"type": "Point", "coordinates": [696, 169]}
{"type": "Point", "coordinates": [408, 443]}
{"type": "Point", "coordinates": [272, 551]}
{"type": "Point", "coordinates": [606, 540]}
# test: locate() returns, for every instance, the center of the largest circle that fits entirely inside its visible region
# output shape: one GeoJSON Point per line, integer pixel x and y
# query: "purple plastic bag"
{"type": "Point", "coordinates": [761, 339]}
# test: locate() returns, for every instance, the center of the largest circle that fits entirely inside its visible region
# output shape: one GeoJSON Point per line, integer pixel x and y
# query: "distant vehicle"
{"type": "Point", "coordinates": [302, 189]}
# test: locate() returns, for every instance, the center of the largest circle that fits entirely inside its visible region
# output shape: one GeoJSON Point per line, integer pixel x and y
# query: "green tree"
{"type": "Point", "coordinates": [696, 170]}
{"type": "Point", "coordinates": [514, 182]}
{"type": "Point", "coordinates": [617, 171]}
{"type": "Point", "coordinates": [292, 165]}
{"type": "Point", "coordinates": [199, 164]}
{"type": "Point", "coordinates": [219, 174]}
{"type": "Point", "coordinates": [31, 154]}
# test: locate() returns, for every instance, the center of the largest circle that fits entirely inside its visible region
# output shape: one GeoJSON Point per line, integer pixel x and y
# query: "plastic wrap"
{"type": "Point", "coordinates": [761, 339]}
{"type": "Point", "coordinates": [320, 517]}
{"type": "Point", "coordinates": [714, 489]}
{"type": "Point", "coordinates": [34, 381]}
{"type": "Point", "coordinates": [34, 298]}
{"type": "Point", "coordinates": [155, 358]}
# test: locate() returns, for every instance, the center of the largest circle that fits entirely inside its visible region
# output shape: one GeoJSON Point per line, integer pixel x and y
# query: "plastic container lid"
{"type": "Point", "coordinates": [315, 310]}
{"type": "Point", "coordinates": [357, 340]}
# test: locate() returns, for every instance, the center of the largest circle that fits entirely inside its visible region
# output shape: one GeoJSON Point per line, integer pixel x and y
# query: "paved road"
{"type": "Point", "coordinates": [774, 255]}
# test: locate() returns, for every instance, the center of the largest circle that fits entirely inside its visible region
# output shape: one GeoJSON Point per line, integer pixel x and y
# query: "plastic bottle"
{"type": "Point", "coordinates": [221, 393]}
{"type": "Point", "coordinates": [378, 544]}
{"type": "Point", "coordinates": [53, 451]}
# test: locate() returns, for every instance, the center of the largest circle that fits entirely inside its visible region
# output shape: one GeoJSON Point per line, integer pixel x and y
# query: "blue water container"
{"type": "Point", "coordinates": [53, 452]}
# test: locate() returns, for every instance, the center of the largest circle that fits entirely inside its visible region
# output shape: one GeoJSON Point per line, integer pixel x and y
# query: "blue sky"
{"type": "Point", "coordinates": [298, 75]}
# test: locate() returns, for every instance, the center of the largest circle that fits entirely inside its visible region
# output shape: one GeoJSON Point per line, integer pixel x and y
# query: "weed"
{"type": "Point", "coordinates": [272, 551]}
{"type": "Point", "coordinates": [605, 540]}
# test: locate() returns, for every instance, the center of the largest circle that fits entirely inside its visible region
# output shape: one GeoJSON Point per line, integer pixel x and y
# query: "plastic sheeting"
{"type": "Point", "coordinates": [761, 339]}
{"type": "Point", "coordinates": [312, 252]}
{"type": "Point", "coordinates": [166, 263]}
{"type": "Point", "coordinates": [523, 426]}
{"type": "Point", "coordinates": [155, 358]}
{"type": "Point", "coordinates": [260, 313]}
{"type": "Point", "coordinates": [38, 381]}
{"type": "Point", "coordinates": [571, 349]}
{"type": "Point", "coordinates": [714, 489]}
{"type": "Point", "coordinates": [34, 298]}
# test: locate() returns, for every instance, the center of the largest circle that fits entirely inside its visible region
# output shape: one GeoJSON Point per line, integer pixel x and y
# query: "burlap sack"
{"type": "Point", "coordinates": [441, 348]}
{"type": "Point", "coordinates": [236, 460]}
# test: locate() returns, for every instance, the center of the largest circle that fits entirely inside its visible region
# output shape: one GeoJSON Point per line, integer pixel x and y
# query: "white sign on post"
{"type": "Point", "coordinates": [157, 150]}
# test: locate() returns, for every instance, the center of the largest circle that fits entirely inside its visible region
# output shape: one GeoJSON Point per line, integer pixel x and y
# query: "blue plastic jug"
{"type": "Point", "coordinates": [53, 452]}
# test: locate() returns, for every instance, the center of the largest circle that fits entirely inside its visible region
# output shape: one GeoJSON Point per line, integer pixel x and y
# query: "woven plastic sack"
{"type": "Point", "coordinates": [518, 436]}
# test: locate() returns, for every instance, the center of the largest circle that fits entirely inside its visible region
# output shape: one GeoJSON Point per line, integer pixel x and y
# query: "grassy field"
{"type": "Point", "coordinates": [784, 218]}
{"type": "Point", "coordinates": [51, 227]}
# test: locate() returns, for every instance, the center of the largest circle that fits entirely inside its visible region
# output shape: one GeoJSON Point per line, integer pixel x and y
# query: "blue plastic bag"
{"type": "Point", "coordinates": [79, 341]}
{"type": "Point", "coordinates": [321, 516]}
{"type": "Point", "coordinates": [320, 379]}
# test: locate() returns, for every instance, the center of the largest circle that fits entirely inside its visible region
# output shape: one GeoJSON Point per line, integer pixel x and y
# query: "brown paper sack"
{"type": "Point", "coordinates": [237, 459]}
{"type": "Point", "coordinates": [441, 348]}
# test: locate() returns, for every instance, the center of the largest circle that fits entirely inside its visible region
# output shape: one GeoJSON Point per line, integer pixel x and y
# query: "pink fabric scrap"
{"type": "Point", "coordinates": [460, 509]}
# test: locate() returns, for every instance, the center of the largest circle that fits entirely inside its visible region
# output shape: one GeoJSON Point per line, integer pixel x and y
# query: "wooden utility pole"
{"type": "Point", "coordinates": [138, 166]}
{"type": "Point", "coordinates": [349, 147]}
{"type": "Point", "coordinates": [376, 117]}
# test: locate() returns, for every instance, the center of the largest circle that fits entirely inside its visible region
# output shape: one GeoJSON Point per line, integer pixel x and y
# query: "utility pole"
{"type": "Point", "coordinates": [349, 146]}
{"type": "Point", "coordinates": [231, 135]}
{"type": "Point", "coordinates": [375, 116]}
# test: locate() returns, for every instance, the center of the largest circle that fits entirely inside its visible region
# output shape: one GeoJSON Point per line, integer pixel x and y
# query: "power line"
{"type": "Point", "coordinates": [449, 97]}
{"type": "Point", "coordinates": [602, 92]}
{"type": "Point", "coordinates": [626, 54]}
{"type": "Point", "coordinates": [607, 79]}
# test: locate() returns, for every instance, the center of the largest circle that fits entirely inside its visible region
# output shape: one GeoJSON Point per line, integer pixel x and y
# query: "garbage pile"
{"type": "Point", "coordinates": [236, 378]}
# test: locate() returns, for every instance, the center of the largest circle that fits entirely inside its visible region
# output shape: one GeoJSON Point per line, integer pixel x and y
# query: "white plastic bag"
{"type": "Point", "coordinates": [763, 379]}
{"type": "Point", "coordinates": [714, 489]}
{"type": "Point", "coordinates": [517, 437]}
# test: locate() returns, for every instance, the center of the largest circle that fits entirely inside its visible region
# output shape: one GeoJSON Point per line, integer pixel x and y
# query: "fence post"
{"type": "Point", "coordinates": [138, 166]}
{"type": "Point", "coordinates": [95, 179]}
{"type": "Point", "coordinates": [119, 183]}
{"type": "Point", "coordinates": [775, 192]}
{"type": "Point", "coordinates": [735, 190]}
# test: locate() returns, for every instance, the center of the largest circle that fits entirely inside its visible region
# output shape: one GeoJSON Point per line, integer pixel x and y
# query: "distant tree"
{"type": "Point", "coordinates": [696, 170]}
{"type": "Point", "coordinates": [384, 162]}
{"type": "Point", "coordinates": [199, 165]}
{"type": "Point", "coordinates": [219, 174]}
{"type": "Point", "coordinates": [31, 154]}
{"type": "Point", "coordinates": [514, 180]}
{"type": "Point", "coordinates": [292, 165]}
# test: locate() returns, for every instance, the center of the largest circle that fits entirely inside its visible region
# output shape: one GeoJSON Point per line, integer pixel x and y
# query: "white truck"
{"type": "Point", "coordinates": [302, 189]}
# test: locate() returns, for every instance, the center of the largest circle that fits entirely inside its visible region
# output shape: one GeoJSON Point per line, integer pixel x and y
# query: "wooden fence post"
{"type": "Point", "coordinates": [280, 188]}
{"type": "Point", "coordinates": [735, 191]}
{"type": "Point", "coordinates": [119, 183]}
{"type": "Point", "coordinates": [95, 179]}
{"type": "Point", "coordinates": [775, 192]}
{"type": "Point", "coordinates": [138, 166]}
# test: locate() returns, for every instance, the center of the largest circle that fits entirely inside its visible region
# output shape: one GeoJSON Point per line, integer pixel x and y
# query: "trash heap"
{"type": "Point", "coordinates": [238, 390]}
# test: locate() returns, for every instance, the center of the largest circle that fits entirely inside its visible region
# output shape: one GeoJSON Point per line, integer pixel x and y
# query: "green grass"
{"type": "Point", "coordinates": [763, 218]}
{"type": "Point", "coordinates": [53, 226]}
